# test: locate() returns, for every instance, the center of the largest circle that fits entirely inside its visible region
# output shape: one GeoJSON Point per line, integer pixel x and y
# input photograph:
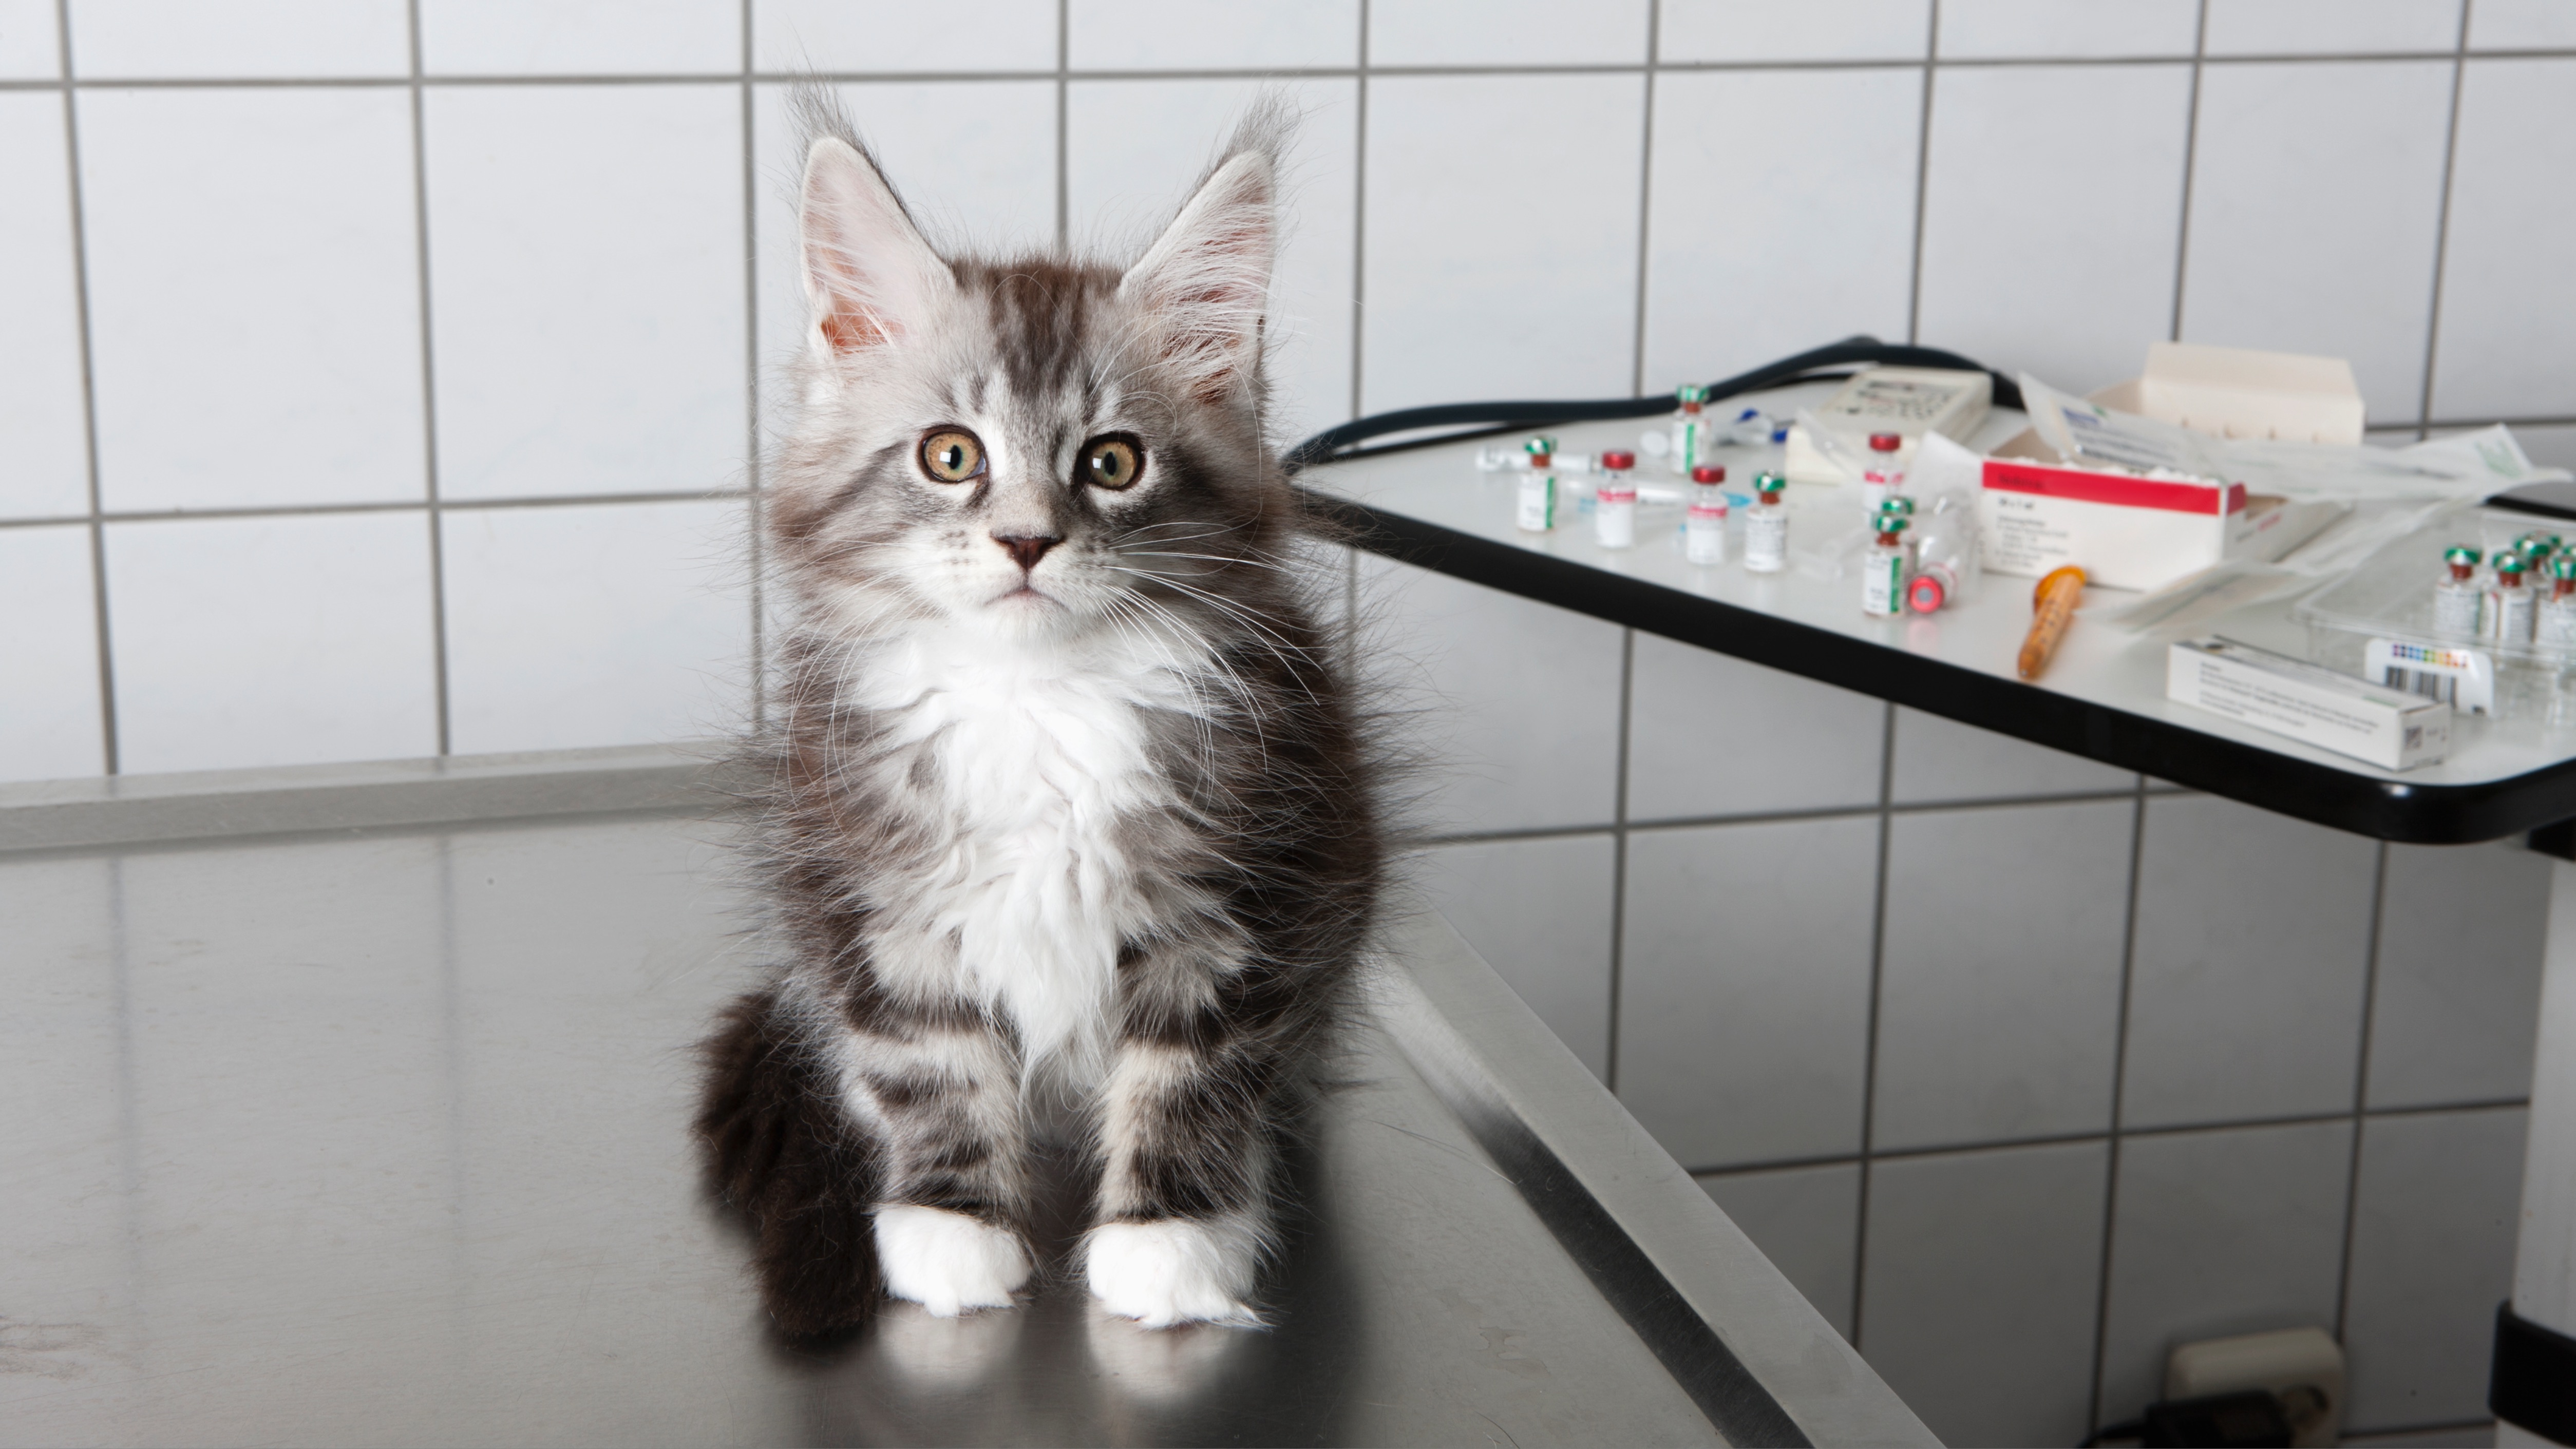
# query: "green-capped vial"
{"type": "Point", "coordinates": [1540, 449]}
{"type": "Point", "coordinates": [2511, 564]}
{"type": "Point", "coordinates": [1767, 484]}
{"type": "Point", "coordinates": [2563, 566]}
{"type": "Point", "coordinates": [1690, 394]}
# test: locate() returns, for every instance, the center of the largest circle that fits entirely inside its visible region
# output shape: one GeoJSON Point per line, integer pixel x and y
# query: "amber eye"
{"type": "Point", "coordinates": [1111, 462]}
{"type": "Point", "coordinates": [952, 455]}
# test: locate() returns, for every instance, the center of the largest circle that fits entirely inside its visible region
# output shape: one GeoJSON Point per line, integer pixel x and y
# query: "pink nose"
{"type": "Point", "coordinates": [1026, 548]}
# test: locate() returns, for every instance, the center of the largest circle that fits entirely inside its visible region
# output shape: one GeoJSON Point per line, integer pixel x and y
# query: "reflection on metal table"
{"type": "Point", "coordinates": [378, 1135]}
{"type": "Point", "coordinates": [2103, 698]}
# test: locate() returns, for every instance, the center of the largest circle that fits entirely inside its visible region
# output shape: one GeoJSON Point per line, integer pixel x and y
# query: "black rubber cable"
{"type": "Point", "coordinates": [1334, 444]}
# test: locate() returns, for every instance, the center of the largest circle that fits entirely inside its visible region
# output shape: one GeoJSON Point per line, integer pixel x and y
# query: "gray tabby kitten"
{"type": "Point", "coordinates": [1067, 802]}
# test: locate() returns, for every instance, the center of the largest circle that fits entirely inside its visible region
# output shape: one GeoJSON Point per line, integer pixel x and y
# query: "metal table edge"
{"type": "Point", "coordinates": [2390, 810]}
{"type": "Point", "coordinates": [1751, 1351]}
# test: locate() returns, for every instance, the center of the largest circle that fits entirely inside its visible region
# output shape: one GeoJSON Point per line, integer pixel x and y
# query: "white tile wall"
{"type": "Point", "coordinates": [585, 261]}
{"type": "Point", "coordinates": [1539, 912]}
{"type": "Point", "coordinates": [2071, 279]}
{"type": "Point", "coordinates": [1821, 211]}
{"type": "Point", "coordinates": [1999, 1011]}
{"type": "Point", "coordinates": [254, 296]}
{"type": "Point", "coordinates": [2316, 195]}
{"type": "Point", "coordinates": [2252, 938]}
{"type": "Point", "coordinates": [2460, 936]}
{"type": "Point", "coordinates": [2220, 1233]}
{"type": "Point", "coordinates": [49, 655]}
{"type": "Point", "coordinates": [1471, 291]}
{"type": "Point", "coordinates": [580, 37]}
{"type": "Point", "coordinates": [1744, 988]}
{"type": "Point", "coordinates": [593, 626]}
{"type": "Point", "coordinates": [272, 640]}
{"type": "Point", "coordinates": [842, 37]}
{"type": "Point", "coordinates": [1939, 760]}
{"type": "Point", "coordinates": [41, 433]}
{"type": "Point", "coordinates": [1457, 661]}
{"type": "Point", "coordinates": [2508, 310]}
{"type": "Point", "coordinates": [1709, 735]}
{"type": "Point", "coordinates": [175, 39]}
{"type": "Point", "coordinates": [30, 48]}
{"type": "Point", "coordinates": [2067, 29]}
{"type": "Point", "coordinates": [2432, 1255]}
{"type": "Point", "coordinates": [2498, 24]}
{"type": "Point", "coordinates": [1508, 32]}
{"type": "Point", "coordinates": [1979, 1283]}
{"type": "Point", "coordinates": [1756, 30]}
{"type": "Point", "coordinates": [1805, 1220]}
{"type": "Point", "coordinates": [2327, 27]}
{"type": "Point", "coordinates": [1188, 35]}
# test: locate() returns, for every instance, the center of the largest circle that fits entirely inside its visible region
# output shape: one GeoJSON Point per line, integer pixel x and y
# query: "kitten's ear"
{"type": "Point", "coordinates": [1206, 281]}
{"type": "Point", "coordinates": [869, 277]}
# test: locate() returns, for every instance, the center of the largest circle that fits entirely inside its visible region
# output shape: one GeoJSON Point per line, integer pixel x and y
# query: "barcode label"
{"type": "Point", "coordinates": [2444, 687]}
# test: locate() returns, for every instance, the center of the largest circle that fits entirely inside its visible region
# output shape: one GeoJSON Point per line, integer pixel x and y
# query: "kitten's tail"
{"type": "Point", "coordinates": [779, 1148]}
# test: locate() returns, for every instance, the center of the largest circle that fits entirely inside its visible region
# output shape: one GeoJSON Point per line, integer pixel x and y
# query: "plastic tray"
{"type": "Point", "coordinates": [2389, 595]}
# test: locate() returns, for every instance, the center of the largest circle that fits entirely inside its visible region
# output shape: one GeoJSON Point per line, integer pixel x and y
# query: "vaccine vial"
{"type": "Point", "coordinates": [1882, 568]}
{"type": "Point", "coordinates": [1691, 441]}
{"type": "Point", "coordinates": [1880, 477]}
{"type": "Point", "coordinates": [2458, 600]}
{"type": "Point", "coordinates": [1538, 487]}
{"type": "Point", "coordinates": [2510, 611]}
{"type": "Point", "coordinates": [1614, 502]}
{"type": "Point", "coordinates": [2558, 611]}
{"type": "Point", "coordinates": [1766, 526]}
{"type": "Point", "coordinates": [1704, 530]}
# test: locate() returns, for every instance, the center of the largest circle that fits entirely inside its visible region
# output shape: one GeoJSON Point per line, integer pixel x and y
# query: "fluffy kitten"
{"type": "Point", "coordinates": [1067, 800]}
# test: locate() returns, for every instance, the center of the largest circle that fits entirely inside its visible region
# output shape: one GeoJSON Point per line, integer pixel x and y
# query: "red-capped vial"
{"type": "Point", "coordinates": [1614, 502]}
{"type": "Point", "coordinates": [1704, 531]}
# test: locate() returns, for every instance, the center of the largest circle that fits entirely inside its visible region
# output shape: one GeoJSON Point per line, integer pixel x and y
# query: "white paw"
{"type": "Point", "coordinates": [948, 1262]}
{"type": "Point", "coordinates": [1169, 1272]}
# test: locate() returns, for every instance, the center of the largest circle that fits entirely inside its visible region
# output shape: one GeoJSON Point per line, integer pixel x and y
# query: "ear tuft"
{"type": "Point", "coordinates": [870, 279]}
{"type": "Point", "coordinates": [1205, 282]}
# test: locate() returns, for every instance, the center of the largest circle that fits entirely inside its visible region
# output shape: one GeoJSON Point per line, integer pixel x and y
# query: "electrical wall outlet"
{"type": "Point", "coordinates": [2302, 1367]}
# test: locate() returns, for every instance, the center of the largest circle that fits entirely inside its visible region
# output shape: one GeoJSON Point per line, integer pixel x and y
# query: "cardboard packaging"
{"type": "Point", "coordinates": [2133, 532]}
{"type": "Point", "coordinates": [2390, 728]}
{"type": "Point", "coordinates": [1907, 401]}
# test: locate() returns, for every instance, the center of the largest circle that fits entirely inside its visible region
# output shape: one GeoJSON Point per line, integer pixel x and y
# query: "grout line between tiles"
{"type": "Point", "coordinates": [1877, 982]}
{"type": "Point", "coordinates": [1922, 174]}
{"type": "Point", "coordinates": [1063, 87]}
{"type": "Point", "coordinates": [2361, 1073]}
{"type": "Point", "coordinates": [1359, 222]}
{"type": "Point", "coordinates": [111, 754]}
{"type": "Point", "coordinates": [428, 392]}
{"type": "Point", "coordinates": [1776, 817]}
{"type": "Point", "coordinates": [2442, 223]}
{"type": "Point", "coordinates": [2119, 1098]}
{"type": "Point", "coordinates": [1646, 193]}
{"type": "Point", "coordinates": [1619, 852]}
{"type": "Point", "coordinates": [1068, 72]}
{"type": "Point", "coordinates": [2182, 224]}
{"type": "Point", "coordinates": [2073, 1139]}
{"type": "Point", "coordinates": [754, 560]}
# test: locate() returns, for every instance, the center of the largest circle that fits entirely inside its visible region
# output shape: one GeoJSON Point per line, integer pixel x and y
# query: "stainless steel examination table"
{"type": "Point", "coordinates": [348, 1106]}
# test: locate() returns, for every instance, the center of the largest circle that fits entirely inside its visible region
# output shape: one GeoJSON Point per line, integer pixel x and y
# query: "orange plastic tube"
{"type": "Point", "coordinates": [2052, 609]}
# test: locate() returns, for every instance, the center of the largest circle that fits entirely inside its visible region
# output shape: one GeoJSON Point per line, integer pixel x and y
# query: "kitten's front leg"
{"type": "Point", "coordinates": [943, 1093]}
{"type": "Point", "coordinates": [1184, 1207]}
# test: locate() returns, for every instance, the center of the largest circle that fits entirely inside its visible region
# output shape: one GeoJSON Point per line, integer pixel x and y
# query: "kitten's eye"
{"type": "Point", "coordinates": [952, 455]}
{"type": "Point", "coordinates": [1112, 462]}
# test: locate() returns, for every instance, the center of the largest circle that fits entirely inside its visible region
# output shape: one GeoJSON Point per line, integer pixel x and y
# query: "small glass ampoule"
{"type": "Point", "coordinates": [1766, 526]}
{"type": "Point", "coordinates": [2510, 607]}
{"type": "Point", "coordinates": [1538, 487]}
{"type": "Point", "coordinates": [1704, 530]}
{"type": "Point", "coordinates": [2459, 600]}
{"type": "Point", "coordinates": [2557, 628]}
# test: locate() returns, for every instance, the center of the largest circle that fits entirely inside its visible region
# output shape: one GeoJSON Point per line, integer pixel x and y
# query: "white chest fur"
{"type": "Point", "coordinates": [1038, 755]}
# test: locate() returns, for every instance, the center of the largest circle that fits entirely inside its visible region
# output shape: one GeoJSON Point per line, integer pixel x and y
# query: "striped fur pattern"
{"type": "Point", "coordinates": [1070, 827]}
